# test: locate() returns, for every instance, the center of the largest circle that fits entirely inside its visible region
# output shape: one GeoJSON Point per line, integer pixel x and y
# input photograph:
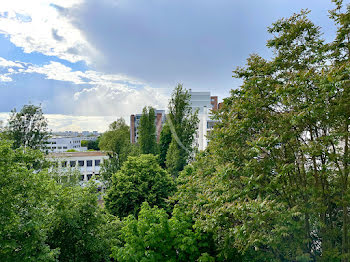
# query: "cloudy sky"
{"type": "Point", "coordinates": [88, 62]}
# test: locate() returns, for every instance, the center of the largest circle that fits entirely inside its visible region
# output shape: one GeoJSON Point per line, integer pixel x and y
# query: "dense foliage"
{"type": "Point", "coordinates": [140, 179]}
{"type": "Point", "coordinates": [116, 142]}
{"type": "Point", "coordinates": [147, 137]}
{"type": "Point", "coordinates": [183, 124]}
{"type": "Point", "coordinates": [274, 180]}
{"type": "Point", "coordinates": [42, 219]}
{"type": "Point", "coordinates": [155, 237]}
{"type": "Point", "coordinates": [27, 128]}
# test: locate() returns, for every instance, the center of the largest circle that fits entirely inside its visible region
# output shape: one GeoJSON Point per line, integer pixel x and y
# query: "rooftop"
{"type": "Point", "coordinates": [77, 154]}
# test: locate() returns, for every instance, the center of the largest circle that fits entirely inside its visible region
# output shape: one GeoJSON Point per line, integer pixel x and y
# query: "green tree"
{"type": "Point", "coordinates": [140, 179]}
{"type": "Point", "coordinates": [147, 138]}
{"type": "Point", "coordinates": [27, 128]}
{"type": "Point", "coordinates": [155, 237]}
{"type": "Point", "coordinates": [79, 226]}
{"type": "Point", "coordinates": [183, 123]}
{"type": "Point", "coordinates": [116, 141]}
{"type": "Point", "coordinates": [93, 144]}
{"type": "Point", "coordinates": [84, 143]}
{"type": "Point", "coordinates": [276, 170]}
{"type": "Point", "coordinates": [164, 143]}
{"type": "Point", "coordinates": [24, 210]}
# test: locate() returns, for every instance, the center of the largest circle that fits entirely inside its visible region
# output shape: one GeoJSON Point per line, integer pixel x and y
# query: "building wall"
{"type": "Point", "coordinates": [88, 163]}
{"type": "Point", "coordinates": [62, 144]}
{"type": "Point", "coordinates": [205, 104]}
{"type": "Point", "coordinates": [135, 122]}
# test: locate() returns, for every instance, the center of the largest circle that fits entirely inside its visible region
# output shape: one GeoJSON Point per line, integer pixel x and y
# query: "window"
{"type": "Point", "coordinates": [97, 162]}
{"type": "Point", "coordinates": [81, 177]}
{"type": "Point", "coordinates": [72, 163]}
{"type": "Point", "coordinates": [89, 176]}
{"type": "Point", "coordinates": [64, 163]}
{"type": "Point", "coordinates": [53, 147]}
{"type": "Point", "coordinates": [59, 147]}
{"type": "Point", "coordinates": [81, 162]}
{"type": "Point", "coordinates": [64, 147]}
{"type": "Point", "coordinates": [89, 162]}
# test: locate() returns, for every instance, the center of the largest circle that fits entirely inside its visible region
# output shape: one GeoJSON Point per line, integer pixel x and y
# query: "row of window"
{"type": "Point", "coordinates": [54, 147]}
{"type": "Point", "coordinates": [80, 163]}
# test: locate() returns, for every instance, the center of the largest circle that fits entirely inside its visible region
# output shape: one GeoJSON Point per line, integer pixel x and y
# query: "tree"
{"type": "Point", "coordinates": [183, 123]}
{"type": "Point", "coordinates": [276, 170]}
{"type": "Point", "coordinates": [116, 141]}
{"type": "Point", "coordinates": [140, 179]}
{"type": "Point", "coordinates": [79, 228]}
{"type": "Point", "coordinates": [28, 128]}
{"type": "Point", "coordinates": [155, 237]}
{"type": "Point", "coordinates": [25, 214]}
{"type": "Point", "coordinates": [147, 132]}
{"type": "Point", "coordinates": [93, 144]}
{"type": "Point", "coordinates": [164, 143]}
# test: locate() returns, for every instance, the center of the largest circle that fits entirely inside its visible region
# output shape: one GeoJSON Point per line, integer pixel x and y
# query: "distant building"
{"type": "Point", "coordinates": [204, 103]}
{"type": "Point", "coordinates": [201, 101]}
{"type": "Point", "coordinates": [135, 122]}
{"type": "Point", "coordinates": [62, 144]}
{"type": "Point", "coordinates": [88, 163]}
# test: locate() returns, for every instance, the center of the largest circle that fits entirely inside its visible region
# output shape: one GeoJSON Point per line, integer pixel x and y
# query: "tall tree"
{"type": "Point", "coordinates": [147, 137]}
{"type": "Point", "coordinates": [116, 141]}
{"type": "Point", "coordinates": [25, 214]}
{"type": "Point", "coordinates": [183, 123]}
{"type": "Point", "coordinates": [28, 128]}
{"type": "Point", "coordinates": [276, 170]}
{"type": "Point", "coordinates": [164, 143]}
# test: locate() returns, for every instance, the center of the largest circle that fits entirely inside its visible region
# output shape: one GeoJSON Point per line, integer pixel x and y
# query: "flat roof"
{"type": "Point", "coordinates": [77, 154]}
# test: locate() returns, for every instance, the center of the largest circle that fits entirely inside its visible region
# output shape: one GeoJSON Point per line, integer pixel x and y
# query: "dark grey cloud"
{"type": "Point", "coordinates": [56, 36]}
{"type": "Point", "coordinates": [196, 42]}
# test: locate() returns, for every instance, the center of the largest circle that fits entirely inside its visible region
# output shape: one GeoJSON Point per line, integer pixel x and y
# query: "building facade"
{"type": "Point", "coordinates": [204, 104]}
{"type": "Point", "coordinates": [63, 144]}
{"type": "Point", "coordinates": [135, 122]}
{"type": "Point", "coordinates": [88, 163]}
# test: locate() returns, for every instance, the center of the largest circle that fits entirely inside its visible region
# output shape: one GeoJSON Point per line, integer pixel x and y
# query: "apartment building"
{"type": "Point", "coordinates": [62, 144]}
{"type": "Point", "coordinates": [88, 163]}
{"type": "Point", "coordinates": [135, 122]}
{"type": "Point", "coordinates": [205, 104]}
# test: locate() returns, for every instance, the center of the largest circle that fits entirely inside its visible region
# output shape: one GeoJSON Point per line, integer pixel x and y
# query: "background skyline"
{"type": "Point", "coordinates": [89, 62]}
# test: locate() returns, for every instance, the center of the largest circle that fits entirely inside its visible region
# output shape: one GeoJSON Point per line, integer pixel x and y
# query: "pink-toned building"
{"type": "Point", "coordinates": [135, 122]}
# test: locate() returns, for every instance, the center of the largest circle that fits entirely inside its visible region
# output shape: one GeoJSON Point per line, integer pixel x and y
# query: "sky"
{"type": "Point", "coordinates": [89, 62]}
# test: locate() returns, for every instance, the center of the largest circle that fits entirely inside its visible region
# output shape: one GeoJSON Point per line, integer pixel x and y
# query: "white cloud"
{"type": "Point", "coordinates": [105, 94]}
{"type": "Point", "coordinates": [118, 100]}
{"type": "Point", "coordinates": [57, 71]}
{"type": "Point", "coordinates": [58, 122]}
{"type": "Point", "coordinates": [8, 63]}
{"type": "Point", "coordinates": [4, 78]}
{"type": "Point", "coordinates": [38, 26]}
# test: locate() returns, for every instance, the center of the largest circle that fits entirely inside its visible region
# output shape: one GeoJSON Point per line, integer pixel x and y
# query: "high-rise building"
{"type": "Point", "coordinates": [204, 103]}
{"type": "Point", "coordinates": [135, 122]}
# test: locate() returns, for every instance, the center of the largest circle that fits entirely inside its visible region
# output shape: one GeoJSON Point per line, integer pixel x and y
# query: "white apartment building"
{"type": "Point", "coordinates": [88, 163]}
{"type": "Point", "coordinates": [62, 144]}
{"type": "Point", "coordinates": [205, 104]}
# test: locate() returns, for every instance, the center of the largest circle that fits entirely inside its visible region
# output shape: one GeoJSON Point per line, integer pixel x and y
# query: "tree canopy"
{"type": "Point", "coordinates": [273, 182]}
{"type": "Point", "coordinates": [140, 179]}
{"type": "Point", "coordinates": [27, 128]}
{"type": "Point", "coordinates": [183, 124]}
{"type": "Point", "coordinates": [147, 137]}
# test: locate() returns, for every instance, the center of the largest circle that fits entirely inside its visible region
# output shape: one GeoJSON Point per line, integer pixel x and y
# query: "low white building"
{"type": "Point", "coordinates": [88, 163]}
{"type": "Point", "coordinates": [62, 144]}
